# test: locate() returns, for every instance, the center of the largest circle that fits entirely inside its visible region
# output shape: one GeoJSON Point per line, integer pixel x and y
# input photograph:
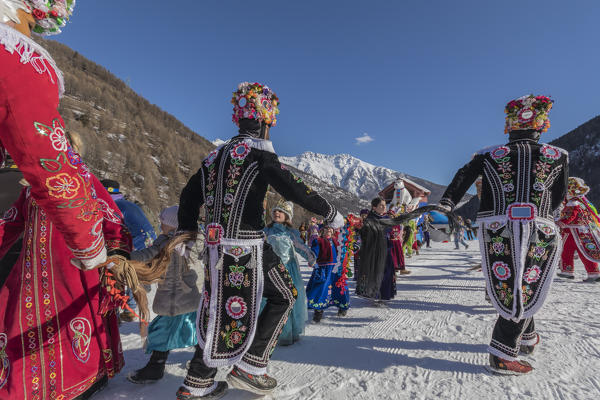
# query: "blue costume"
{"type": "Point", "coordinates": [140, 228]}
{"type": "Point", "coordinates": [286, 242]}
{"type": "Point", "coordinates": [321, 290]}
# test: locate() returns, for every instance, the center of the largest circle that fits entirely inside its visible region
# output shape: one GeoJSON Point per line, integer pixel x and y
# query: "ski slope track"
{"type": "Point", "coordinates": [428, 343]}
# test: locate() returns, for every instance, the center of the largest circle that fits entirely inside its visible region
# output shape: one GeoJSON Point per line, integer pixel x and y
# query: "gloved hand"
{"type": "Point", "coordinates": [338, 221]}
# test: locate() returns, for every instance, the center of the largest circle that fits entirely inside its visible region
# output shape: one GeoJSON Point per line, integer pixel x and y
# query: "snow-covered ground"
{"type": "Point", "coordinates": [429, 343]}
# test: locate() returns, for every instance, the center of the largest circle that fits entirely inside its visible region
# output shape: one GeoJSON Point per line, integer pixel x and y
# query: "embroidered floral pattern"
{"type": "Point", "coordinates": [82, 335]}
{"type": "Point", "coordinates": [236, 277]}
{"type": "Point", "coordinates": [499, 152]}
{"type": "Point", "coordinates": [236, 307]}
{"type": "Point", "coordinates": [504, 294]}
{"type": "Point", "coordinates": [10, 215]}
{"type": "Point", "coordinates": [505, 168]}
{"type": "Point", "coordinates": [538, 251]}
{"type": "Point", "coordinates": [228, 199]}
{"type": "Point", "coordinates": [501, 270]}
{"type": "Point", "coordinates": [532, 274]}
{"type": "Point", "coordinates": [234, 334]}
{"type": "Point", "coordinates": [240, 151]}
{"type": "Point", "coordinates": [210, 159]}
{"type": "Point", "coordinates": [63, 186]}
{"type": "Point", "coordinates": [497, 246]}
{"type": "Point", "coordinates": [526, 293]}
{"type": "Point", "coordinates": [550, 152]}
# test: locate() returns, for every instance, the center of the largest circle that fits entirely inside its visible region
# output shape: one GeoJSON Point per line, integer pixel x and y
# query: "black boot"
{"type": "Point", "coordinates": [220, 390]}
{"type": "Point", "coordinates": [318, 315]}
{"type": "Point", "coordinates": [153, 371]}
{"type": "Point", "coordinates": [259, 384]}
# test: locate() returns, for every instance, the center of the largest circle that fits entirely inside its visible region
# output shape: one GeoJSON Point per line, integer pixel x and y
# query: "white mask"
{"type": "Point", "coordinates": [9, 8]}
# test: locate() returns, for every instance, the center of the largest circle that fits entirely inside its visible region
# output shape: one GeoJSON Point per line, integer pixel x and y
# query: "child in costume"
{"type": "Point", "coordinates": [580, 230]}
{"type": "Point", "coordinates": [524, 182]}
{"type": "Point", "coordinates": [286, 243]}
{"type": "Point", "coordinates": [322, 291]}
{"type": "Point", "coordinates": [175, 302]}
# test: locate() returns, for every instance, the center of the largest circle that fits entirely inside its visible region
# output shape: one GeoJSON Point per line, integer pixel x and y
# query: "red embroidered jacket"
{"type": "Point", "coordinates": [33, 133]}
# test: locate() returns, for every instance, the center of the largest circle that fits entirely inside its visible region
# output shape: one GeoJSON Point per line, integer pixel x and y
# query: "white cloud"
{"type": "Point", "coordinates": [217, 142]}
{"type": "Point", "coordinates": [364, 139]}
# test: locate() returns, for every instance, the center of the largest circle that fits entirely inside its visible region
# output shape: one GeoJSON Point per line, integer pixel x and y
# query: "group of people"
{"type": "Point", "coordinates": [76, 258]}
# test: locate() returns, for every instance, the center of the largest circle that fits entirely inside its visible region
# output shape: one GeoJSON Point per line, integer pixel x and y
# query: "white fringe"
{"type": "Point", "coordinates": [31, 53]}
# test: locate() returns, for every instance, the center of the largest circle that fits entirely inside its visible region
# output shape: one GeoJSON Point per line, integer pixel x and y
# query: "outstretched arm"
{"type": "Point", "coordinates": [461, 182]}
{"type": "Point", "coordinates": [293, 189]}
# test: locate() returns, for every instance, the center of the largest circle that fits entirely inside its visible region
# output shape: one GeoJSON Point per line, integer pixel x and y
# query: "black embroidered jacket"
{"type": "Point", "coordinates": [232, 184]}
{"type": "Point", "coordinates": [523, 177]}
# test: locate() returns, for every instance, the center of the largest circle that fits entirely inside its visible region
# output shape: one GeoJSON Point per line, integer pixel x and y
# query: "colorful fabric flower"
{"type": "Point", "coordinates": [528, 112]}
{"type": "Point", "coordinates": [255, 101]}
{"type": "Point", "coordinates": [50, 15]}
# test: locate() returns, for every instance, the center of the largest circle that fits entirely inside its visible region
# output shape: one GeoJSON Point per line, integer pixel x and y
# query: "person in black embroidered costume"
{"type": "Point", "coordinates": [524, 182]}
{"type": "Point", "coordinates": [240, 267]}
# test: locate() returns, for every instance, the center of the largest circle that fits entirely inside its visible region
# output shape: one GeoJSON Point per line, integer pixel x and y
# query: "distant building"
{"type": "Point", "coordinates": [415, 190]}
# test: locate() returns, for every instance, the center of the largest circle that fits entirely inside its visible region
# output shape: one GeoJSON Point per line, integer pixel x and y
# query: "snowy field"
{"type": "Point", "coordinates": [429, 343]}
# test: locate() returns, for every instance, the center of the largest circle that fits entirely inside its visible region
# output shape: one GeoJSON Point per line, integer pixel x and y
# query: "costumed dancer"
{"type": "Point", "coordinates": [68, 220]}
{"type": "Point", "coordinates": [459, 235]}
{"type": "Point", "coordinates": [241, 267]}
{"type": "Point", "coordinates": [286, 243]}
{"type": "Point", "coordinates": [321, 290]}
{"type": "Point", "coordinates": [175, 303]}
{"type": "Point", "coordinates": [524, 182]}
{"type": "Point", "coordinates": [580, 230]}
{"type": "Point", "coordinates": [396, 250]}
{"type": "Point", "coordinates": [356, 253]}
{"type": "Point", "coordinates": [376, 248]}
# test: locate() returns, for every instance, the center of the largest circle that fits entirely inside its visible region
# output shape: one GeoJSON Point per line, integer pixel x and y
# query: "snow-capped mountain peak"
{"type": "Point", "coordinates": [358, 177]}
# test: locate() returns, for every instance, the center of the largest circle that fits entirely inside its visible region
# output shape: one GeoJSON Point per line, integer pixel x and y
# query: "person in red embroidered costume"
{"type": "Point", "coordinates": [524, 182]}
{"type": "Point", "coordinates": [580, 230]}
{"type": "Point", "coordinates": [59, 335]}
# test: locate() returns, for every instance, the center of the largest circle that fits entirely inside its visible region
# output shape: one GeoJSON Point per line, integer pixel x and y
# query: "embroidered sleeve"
{"type": "Point", "coordinates": [190, 201]}
{"type": "Point", "coordinates": [294, 189]}
{"type": "Point", "coordinates": [461, 182]}
{"type": "Point", "coordinates": [12, 225]}
{"type": "Point", "coordinates": [34, 136]}
{"type": "Point", "coordinates": [118, 238]}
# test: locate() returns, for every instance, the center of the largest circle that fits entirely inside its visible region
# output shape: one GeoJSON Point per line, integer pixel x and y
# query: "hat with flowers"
{"type": "Point", "coordinates": [528, 112]}
{"type": "Point", "coordinates": [255, 101]}
{"type": "Point", "coordinates": [577, 187]}
{"type": "Point", "coordinates": [50, 15]}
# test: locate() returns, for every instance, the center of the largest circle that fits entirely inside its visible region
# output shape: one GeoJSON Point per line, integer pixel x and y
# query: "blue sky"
{"type": "Point", "coordinates": [422, 83]}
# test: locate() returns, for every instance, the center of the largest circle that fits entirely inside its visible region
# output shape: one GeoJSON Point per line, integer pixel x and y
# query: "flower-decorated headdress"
{"type": "Point", "coordinates": [528, 112]}
{"type": "Point", "coordinates": [577, 187]}
{"type": "Point", "coordinates": [255, 101]}
{"type": "Point", "coordinates": [50, 15]}
{"type": "Point", "coordinates": [286, 207]}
